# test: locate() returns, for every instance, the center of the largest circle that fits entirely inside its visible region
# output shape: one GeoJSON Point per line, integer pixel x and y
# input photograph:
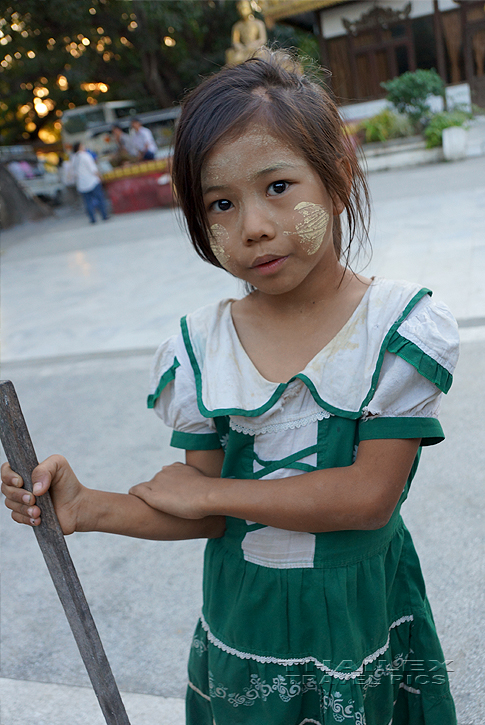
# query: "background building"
{"type": "Point", "coordinates": [364, 43]}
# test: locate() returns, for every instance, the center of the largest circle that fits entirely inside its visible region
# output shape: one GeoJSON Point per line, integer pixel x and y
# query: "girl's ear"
{"type": "Point", "coordinates": [341, 200]}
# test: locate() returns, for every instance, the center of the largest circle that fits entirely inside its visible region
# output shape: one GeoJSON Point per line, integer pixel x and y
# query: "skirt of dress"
{"type": "Point", "coordinates": [352, 644]}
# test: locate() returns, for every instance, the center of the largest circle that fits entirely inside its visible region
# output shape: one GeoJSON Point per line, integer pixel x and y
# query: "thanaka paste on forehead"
{"type": "Point", "coordinates": [220, 161]}
{"type": "Point", "coordinates": [218, 237]}
{"type": "Point", "coordinates": [313, 227]}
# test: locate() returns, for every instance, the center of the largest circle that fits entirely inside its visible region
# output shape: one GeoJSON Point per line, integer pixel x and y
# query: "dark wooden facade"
{"type": "Point", "coordinates": [387, 41]}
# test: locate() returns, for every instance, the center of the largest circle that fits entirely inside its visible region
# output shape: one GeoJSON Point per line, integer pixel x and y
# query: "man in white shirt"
{"type": "Point", "coordinates": [126, 152]}
{"type": "Point", "coordinates": [88, 182]}
{"type": "Point", "coordinates": [143, 141]}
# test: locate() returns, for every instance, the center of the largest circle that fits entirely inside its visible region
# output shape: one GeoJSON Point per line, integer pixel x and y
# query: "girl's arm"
{"type": "Point", "coordinates": [83, 509]}
{"type": "Point", "coordinates": [360, 496]}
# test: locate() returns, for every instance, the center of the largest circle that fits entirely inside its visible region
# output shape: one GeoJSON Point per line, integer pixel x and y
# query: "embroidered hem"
{"type": "Point", "coordinates": [304, 660]}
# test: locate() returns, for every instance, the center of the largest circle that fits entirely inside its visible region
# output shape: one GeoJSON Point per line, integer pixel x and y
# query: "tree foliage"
{"type": "Point", "coordinates": [56, 54]}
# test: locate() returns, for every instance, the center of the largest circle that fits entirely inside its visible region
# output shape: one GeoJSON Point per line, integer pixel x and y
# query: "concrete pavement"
{"type": "Point", "coordinates": [84, 306]}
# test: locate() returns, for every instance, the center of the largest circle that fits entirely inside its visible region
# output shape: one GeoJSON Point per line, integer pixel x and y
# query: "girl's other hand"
{"type": "Point", "coordinates": [177, 489]}
{"type": "Point", "coordinates": [54, 474]}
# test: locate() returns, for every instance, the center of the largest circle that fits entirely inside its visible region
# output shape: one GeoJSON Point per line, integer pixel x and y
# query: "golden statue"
{"type": "Point", "coordinates": [248, 35]}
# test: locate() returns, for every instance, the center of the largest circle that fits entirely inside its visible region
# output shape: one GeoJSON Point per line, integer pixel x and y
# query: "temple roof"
{"type": "Point", "coordinates": [279, 9]}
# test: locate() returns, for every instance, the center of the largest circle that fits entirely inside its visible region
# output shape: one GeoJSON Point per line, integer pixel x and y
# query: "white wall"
{"type": "Point", "coordinates": [331, 19]}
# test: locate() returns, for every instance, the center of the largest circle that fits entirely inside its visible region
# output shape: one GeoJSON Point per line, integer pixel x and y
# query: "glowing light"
{"type": "Point", "coordinates": [52, 41]}
{"type": "Point", "coordinates": [41, 92]}
{"type": "Point", "coordinates": [100, 30]}
{"type": "Point", "coordinates": [92, 101]}
{"type": "Point", "coordinates": [95, 87]}
{"type": "Point", "coordinates": [92, 11]}
{"type": "Point", "coordinates": [4, 64]}
{"type": "Point", "coordinates": [132, 25]}
{"type": "Point", "coordinates": [41, 109]}
{"type": "Point", "coordinates": [62, 83]}
{"type": "Point", "coordinates": [25, 108]}
{"type": "Point", "coordinates": [47, 136]}
{"type": "Point", "coordinates": [30, 54]}
{"type": "Point", "coordinates": [18, 55]}
{"type": "Point", "coordinates": [72, 105]}
{"type": "Point", "coordinates": [169, 41]}
{"type": "Point", "coordinates": [106, 57]}
{"type": "Point", "coordinates": [86, 41]}
{"type": "Point", "coordinates": [30, 127]}
{"type": "Point", "coordinates": [24, 34]}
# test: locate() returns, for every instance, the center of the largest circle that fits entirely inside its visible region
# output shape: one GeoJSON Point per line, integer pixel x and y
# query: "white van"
{"type": "Point", "coordinates": [91, 125]}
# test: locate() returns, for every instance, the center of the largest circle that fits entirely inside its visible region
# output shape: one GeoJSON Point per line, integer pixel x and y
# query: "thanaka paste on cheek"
{"type": "Point", "coordinates": [313, 227]}
{"type": "Point", "coordinates": [219, 236]}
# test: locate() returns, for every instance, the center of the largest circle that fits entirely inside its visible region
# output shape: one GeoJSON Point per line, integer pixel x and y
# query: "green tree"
{"type": "Point", "coordinates": [409, 93]}
{"type": "Point", "coordinates": [56, 54]}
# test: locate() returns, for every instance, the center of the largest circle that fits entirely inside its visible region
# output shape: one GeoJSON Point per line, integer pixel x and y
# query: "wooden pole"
{"type": "Point", "coordinates": [439, 42]}
{"type": "Point", "coordinates": [21, 456]}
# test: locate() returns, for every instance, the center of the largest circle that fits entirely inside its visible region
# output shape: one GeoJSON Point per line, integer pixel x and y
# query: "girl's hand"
{"type": "Point", "coordinates": [54, 474]}
{"type": "Point", "coordinates": [177, 489]}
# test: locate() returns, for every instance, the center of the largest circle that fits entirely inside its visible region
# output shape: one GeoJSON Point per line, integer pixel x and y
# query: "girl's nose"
{"type": "Point", "coordinates": [257, 225]}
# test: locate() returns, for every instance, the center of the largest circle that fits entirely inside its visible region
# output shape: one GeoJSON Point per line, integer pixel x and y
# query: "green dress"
{"type": "Point", "coordinates": [313, 627]}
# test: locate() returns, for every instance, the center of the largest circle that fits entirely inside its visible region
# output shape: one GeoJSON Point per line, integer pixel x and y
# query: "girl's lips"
{"type": "Point", "coordinates": [267, 264]}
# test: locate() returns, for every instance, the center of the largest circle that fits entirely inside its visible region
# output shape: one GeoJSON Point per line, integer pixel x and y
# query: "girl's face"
{"type": "Point", "coordinates": [270, 215]}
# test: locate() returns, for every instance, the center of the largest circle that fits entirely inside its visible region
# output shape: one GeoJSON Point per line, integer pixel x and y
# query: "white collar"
{"type": "Point", "coordinates": [341, 377]}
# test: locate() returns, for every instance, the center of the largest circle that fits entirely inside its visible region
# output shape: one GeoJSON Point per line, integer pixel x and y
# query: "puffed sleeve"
{"type": "Point", "coordinates": [417, 368]}
{"type": "Point", "coordinates": [173, 396]}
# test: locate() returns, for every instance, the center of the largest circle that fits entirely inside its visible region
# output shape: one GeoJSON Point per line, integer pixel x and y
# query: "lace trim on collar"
{"type": "Point", "coordinates": [277, 427]}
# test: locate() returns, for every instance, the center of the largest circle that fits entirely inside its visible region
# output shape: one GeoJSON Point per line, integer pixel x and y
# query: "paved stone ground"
{"type": "Point", "coordinates": [83, 309]}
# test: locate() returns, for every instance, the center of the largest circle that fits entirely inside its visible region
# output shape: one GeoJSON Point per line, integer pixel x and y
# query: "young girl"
{"type": "Point", "coordinates": [302, 408]}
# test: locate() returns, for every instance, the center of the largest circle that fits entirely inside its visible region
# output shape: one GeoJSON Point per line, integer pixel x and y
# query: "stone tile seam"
{"type": "Point", "coordinates": [146, 351]}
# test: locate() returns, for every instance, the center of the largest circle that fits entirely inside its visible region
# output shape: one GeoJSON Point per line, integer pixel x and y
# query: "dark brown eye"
{"type": "Point", "coordinates": [221, 205]}
{"type": "Point", "coordinates": [277, 187]}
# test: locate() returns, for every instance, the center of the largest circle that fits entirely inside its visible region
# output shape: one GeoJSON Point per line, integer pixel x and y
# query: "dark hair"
{"type": "Point", "coordinates": [75, 147]}
{"type": "Point", "coordinates": [270, 89]}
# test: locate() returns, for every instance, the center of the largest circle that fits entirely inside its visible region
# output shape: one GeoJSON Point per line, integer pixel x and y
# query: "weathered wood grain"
{"type": "Point", "coordinates": [21, 456]}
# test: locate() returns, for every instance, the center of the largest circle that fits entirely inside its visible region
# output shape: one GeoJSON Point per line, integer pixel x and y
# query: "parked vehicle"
{"type": "Point", "coordinates": [35, 176]}
{"type": "Point", "coordinates": [91, 125]}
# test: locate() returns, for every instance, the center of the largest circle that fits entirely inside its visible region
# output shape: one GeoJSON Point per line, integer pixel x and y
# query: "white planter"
{"type": "Point", "coordinates": [455, 141]}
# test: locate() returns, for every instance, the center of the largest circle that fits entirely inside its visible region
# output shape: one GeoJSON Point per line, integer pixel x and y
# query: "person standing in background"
{"type": "Point", "coordinates": [143, 141]}
{"type": "Point", "coordinates": [88, 182]}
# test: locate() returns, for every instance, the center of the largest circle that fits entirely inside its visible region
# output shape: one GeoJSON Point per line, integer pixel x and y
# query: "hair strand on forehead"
{"type": "Point", "coordinates": [272, 91]}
